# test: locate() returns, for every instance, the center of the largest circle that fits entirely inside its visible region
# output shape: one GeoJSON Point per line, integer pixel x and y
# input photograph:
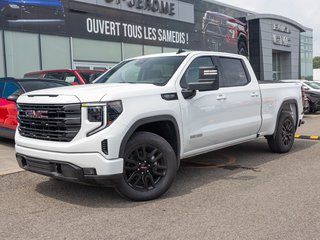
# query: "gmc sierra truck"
{"type": "Point", "coordinates": [132, 127]}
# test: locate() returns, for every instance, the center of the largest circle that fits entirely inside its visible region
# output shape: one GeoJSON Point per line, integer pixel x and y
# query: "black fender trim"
{"type": "Point", "coordinates": [143, 121]}
{"type": "Point", "coordinates": [281, 109]}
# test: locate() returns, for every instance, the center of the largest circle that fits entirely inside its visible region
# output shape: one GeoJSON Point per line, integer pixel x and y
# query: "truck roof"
{"type": "Point", "coordinates": [186, 53]}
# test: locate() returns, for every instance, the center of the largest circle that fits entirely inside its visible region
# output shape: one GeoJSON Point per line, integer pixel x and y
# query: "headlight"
{"type": "Point", "coordinates": [103, 114]}
{"type": "Point", "coordinates": [95, 114]}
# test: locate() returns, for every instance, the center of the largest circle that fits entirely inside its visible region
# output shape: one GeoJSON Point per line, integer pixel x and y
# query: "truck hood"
{"type": "Point", "coordinates": [94, 92]}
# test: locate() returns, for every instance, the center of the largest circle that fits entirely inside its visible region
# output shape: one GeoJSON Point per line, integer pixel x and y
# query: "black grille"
{"type": "Point", "coordinates": [59, 123]}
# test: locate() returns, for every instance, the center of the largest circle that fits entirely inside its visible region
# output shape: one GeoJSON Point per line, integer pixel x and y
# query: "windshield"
{"type": "Point", "coordinates": [313, 85]}
{"type": "Point", "coordinates": [31, 85]}
{"type": "Point", "coordinates": [156, 70]}
{"type": "Point", "coordinates": [90, 76]}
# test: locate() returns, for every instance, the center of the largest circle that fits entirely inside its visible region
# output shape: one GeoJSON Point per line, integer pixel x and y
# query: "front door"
{"type": "Point", "coordinates": [217, 117]}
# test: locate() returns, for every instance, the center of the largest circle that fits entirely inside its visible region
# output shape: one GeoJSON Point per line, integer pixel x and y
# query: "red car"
{"type": "Point", "coordinates": [73, 77]}
{"type": "Point", "coordinates": [10, 90]}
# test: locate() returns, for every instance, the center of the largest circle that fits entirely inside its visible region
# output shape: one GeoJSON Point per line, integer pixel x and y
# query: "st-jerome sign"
{"type": "Point", "coordinates": [160, 6]}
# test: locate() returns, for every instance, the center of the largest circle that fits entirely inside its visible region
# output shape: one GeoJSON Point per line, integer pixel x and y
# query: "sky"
{"type": "Point", "coordinates": [306, 12]}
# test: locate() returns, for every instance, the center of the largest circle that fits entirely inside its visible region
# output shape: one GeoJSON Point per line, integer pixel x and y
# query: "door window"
{"type": "Point", "coordinates": [54, 75]}
{"type": "Point", "coordinates": [71, 78]}
{"type": "Point", "coordinates": [233, 72]}
{"type": "Point", "coordinates": [192, 73]}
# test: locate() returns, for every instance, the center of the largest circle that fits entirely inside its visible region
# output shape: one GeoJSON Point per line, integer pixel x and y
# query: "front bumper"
{"type": "Point", "coordinates": [103, 166]}
{"type": "Point", "coordinates": [65, 171]}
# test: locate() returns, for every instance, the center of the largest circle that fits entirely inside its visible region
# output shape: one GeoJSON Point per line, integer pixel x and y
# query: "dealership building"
{"type": "Point", "coordinates": [97, 34]}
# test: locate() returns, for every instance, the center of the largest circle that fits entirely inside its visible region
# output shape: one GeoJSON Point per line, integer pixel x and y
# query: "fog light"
{"type": "Point", "coordinates": [89, 171]}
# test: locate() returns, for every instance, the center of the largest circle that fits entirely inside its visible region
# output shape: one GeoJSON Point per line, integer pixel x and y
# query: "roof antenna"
{"type": "Point", "coordinates": [181, 51]}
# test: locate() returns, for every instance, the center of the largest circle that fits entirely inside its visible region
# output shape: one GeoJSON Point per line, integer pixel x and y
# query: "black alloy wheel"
{"type": "Point", "coordinates": [287, 134]}
{"type": "Point", "coordinates": [149, 167]}
{"type": "Point", "coordinates": [283, 138]}
{"type": "Point", "coordinates": [144, 167]}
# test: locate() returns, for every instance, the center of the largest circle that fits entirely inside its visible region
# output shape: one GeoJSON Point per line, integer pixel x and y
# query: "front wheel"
{"type": "Point", "coordinates": [283, 138]}
{"type": "Point", "coordinates": [149, 169]}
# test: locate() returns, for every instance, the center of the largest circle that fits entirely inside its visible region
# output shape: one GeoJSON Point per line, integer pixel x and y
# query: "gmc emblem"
{"type": "Point", "coordinates": [36, 114]}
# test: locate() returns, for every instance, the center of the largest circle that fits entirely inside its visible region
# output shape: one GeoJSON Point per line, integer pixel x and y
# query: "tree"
{"type": "Point", "coordinates": [316, 62]}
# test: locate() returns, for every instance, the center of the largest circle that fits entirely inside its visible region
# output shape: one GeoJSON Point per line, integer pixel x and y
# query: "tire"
{"type": "Point", "coordinates": [150, 166]}
{"type": "Point", "coordinates": [283, 138]}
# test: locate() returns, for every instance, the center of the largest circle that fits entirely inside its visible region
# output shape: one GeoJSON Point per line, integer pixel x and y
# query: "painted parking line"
{"type": "Point", "coordinates": [306, 137]}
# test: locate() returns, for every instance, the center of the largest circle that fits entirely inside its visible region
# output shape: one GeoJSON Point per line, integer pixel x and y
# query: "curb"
{"type": "Point", "coordinates": [307, 137]}
{"type": "Point", "coordinates": [9, 172]}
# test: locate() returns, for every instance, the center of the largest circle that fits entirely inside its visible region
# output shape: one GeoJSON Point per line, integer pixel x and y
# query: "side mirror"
{"type": "Point", "coordinates": [208, 80]}
{"type": "Point", "coordinates": [13, 97]}
{"type": "Point", "coordinates": [306, 88]}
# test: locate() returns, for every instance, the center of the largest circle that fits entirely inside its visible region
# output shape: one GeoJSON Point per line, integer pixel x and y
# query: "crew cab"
{"type": "Point", "coordinates": [132, 127]}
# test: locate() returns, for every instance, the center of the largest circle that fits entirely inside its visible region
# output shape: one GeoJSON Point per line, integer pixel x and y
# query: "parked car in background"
{"type": "Point", "coordinates": [74, 77]}
{"type": "Point", "coordinates": [312, 92]}
{"type": "Point", "coordinates": [10, 90]}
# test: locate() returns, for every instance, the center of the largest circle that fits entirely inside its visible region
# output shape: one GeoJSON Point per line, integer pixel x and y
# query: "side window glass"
{"type": "Point", "coordinates": [10, 88]}
{"type": "Point", "coordinates": [192, 73]}
{"type": "Point", "coordinates": [233, 72]}
{"type": "Point", "coordinates": [1, 88]}
{"type": "Point", "coordinates": [54, 75]}
{"type": "Point", "coordinates": [71, 78]}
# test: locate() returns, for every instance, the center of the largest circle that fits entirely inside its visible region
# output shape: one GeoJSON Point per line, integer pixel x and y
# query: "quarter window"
{"type": "Point", "coordinates": [233, 72]}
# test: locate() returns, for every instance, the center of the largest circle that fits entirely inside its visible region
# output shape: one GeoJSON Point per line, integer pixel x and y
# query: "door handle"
{"type": "Point", "coordinates": [221, 97]}
{"type": "Point", "coordinates": [254, 94]}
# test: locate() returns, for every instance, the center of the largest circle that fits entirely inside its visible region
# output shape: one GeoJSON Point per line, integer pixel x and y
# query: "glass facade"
{"type": "Point", "coordinates": [2, 67]}
{"type": "Point", "coordinates": [306, 49]}
{"type": "Point", "coordinates": [22, 53]}
{"type": "Point", "coordinates": [132, 50]}
{"type": "Point", "coordinates": [95, 35]}
{"type": "Point", "coordinates": [276, 66]}
{"type": "Point", "coordinates": [55, 52]}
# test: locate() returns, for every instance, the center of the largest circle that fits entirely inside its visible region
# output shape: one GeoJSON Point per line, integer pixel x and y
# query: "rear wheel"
{"type": "Point", "coordinates": [149, 167]}
{"type": "Point", "coordinates": [283, 138]}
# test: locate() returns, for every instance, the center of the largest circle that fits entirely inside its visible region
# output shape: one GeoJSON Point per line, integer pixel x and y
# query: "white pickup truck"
{"type": "Point", "coordinates": [132, 127]}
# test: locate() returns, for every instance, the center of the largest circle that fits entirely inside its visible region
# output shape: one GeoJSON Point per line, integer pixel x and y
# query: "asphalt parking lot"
{"type": "Point", "coordinates": [242, 192]}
